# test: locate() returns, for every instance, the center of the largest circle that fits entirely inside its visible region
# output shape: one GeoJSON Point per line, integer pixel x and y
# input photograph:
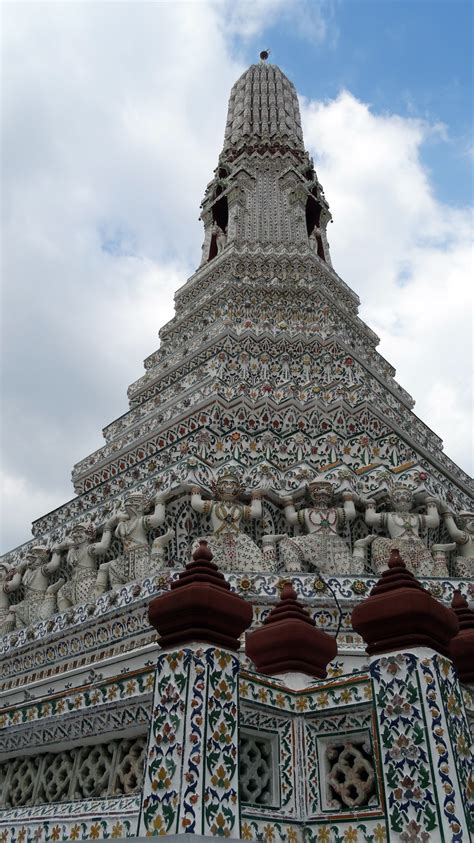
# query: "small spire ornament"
{"type": "Point", "coordinates": [289, 641]}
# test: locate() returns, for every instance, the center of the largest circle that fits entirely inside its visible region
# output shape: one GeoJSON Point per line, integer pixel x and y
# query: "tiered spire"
{"type": "Point", "coordinates": [289, 640]}
{"type": "Point", "coordinates": [266, 367]}
{"type": "Point", "coordinates": [200, 607]}
{"type": "Point", "coordinates": [400, 614]}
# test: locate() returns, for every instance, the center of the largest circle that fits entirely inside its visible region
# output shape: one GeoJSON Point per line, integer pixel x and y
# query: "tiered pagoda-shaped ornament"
{"type": "Point", "coordinates": [267, 425]}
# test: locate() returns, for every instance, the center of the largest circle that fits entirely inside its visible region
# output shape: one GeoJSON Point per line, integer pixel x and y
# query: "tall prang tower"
{"type": "Point", "coordinates": [266, 365]}
{"type": "Point", "coordinates": [267, 424]}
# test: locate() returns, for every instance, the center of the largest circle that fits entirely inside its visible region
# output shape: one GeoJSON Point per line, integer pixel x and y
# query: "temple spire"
{"type": "Point", "coordinates": [265, 192]}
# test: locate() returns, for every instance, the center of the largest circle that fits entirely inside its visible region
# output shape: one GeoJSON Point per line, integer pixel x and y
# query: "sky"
{"type": "Point", "coordinates": [112, 120]}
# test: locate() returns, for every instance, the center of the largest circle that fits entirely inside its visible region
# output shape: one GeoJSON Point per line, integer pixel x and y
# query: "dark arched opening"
{"type": "Point", "coordinates": [313, 213]}
{"type": "Point", "coordinates": [220, 217]}
{"type": "Point", "coordinates": [220, 211]}
{"type": "Point", "coordinates": [313, 218]}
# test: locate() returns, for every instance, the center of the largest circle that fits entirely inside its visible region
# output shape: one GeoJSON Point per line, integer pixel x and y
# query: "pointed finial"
{"type": "Point", "coordinates": [264, 55]}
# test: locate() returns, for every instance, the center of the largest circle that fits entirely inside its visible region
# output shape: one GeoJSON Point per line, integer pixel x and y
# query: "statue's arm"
{"type": "Point", "coordinates": [458, 535]}
{"type": "Point", "coordinates": [158, 517]}
{"type": "Point", "coordinates": [373, 518]}
{"type": "Point", "coordinates": [101, 547]}
{"type": "Point", "coordinates": [13, 583]}
{"type": "Point", "coordinates": [432, 514]}
{"type": "Point", "coordinates": [53, 563]}
{"type": "Point", "coordinates": [198, 503]}
{"type": "Point", "coordinates": [255, 508]}
{"type": "Point", "coordinates": [349, 506]}
{"type": "Point", "coordinates": [291, 514]}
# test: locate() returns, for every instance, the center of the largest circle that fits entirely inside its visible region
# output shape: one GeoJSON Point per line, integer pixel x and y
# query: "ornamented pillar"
{"type": "Point", "coordinates": [424, 737]}
{"type": "Point", "coordinates": [191, 781]}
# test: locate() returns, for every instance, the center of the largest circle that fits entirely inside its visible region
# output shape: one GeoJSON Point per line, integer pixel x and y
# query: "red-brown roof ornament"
{"type": "Point", "coordinates": [400, 614]}
{"type": "Point", "coordinates": [200, 607]}
{"type": "Point", "coordinates": [288, 640]}
{"type": "Point", "coordinates": [462, 645]}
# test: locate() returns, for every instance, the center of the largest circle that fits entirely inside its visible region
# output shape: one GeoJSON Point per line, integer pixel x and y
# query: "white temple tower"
{"type": "Point", "coordinates": [267, 423]}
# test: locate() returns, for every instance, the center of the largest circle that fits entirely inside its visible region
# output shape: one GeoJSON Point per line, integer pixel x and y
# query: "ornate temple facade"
{"type": "Point", "coordinates": [279, 701]}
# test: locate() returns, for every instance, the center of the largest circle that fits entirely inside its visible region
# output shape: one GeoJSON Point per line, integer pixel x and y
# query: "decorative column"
{"type": "Point", "coordinates": [191, 781]}
{"type": "Point", "coordinates": [288, 642]}
{"type": "Point", "coordinates": [422, 724]}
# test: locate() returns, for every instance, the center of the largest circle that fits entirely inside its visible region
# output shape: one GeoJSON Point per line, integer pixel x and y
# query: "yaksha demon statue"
{"type": "Point", "coordinates": [10, 580]}
{"type": "Point", "coordinates": [135, 562]}
{"type": "Point", "coordinates": [39, 601]}
{"type": "Point", "coordinates": [232, 549]}
{"type": "Point", "coordinates": [463, 542]}
{"type": "Point", "coordinates": [81, 561]}
{"type": "Point", "coordinates": [322, 548]}
{"type": "Point", "coordinates": [403, 527]}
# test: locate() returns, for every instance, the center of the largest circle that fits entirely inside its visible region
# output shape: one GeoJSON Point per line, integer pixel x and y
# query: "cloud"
{"type": "Point", "coordinates": [18, 497]}
{"type": "Point", "coordinates": [310, 19]}
{"type": "Point", "coordinates": [405, 253]}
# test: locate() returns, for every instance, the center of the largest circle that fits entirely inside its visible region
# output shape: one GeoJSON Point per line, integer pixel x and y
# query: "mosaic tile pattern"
{"type": "Point", "coordinates": [192, 779]}
{"type": "Point", "coordinates": [418, 758]}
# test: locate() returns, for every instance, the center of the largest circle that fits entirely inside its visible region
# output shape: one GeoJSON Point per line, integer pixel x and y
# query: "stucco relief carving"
{"type": "Point", "coordinates": [322, 548]}
{"type": "Point", "coordinates": [461, 530]}
{"type": "Point", "coordinates": [136, 559]}
{"type": "Point", "coordinates": [232, 549]}
{"type": "Point", "coordinates": [403, 527]}
{"type": "Point", "coordinates": [39, 601]}
{"type": "Point", "coordinates": [81, 562]}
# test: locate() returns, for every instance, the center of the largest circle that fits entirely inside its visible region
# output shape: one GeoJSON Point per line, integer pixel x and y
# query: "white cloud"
{"type": "Point", "coordinates": [405, 253]}
{"type": "Point", "coordinates": [310, 19]}
{"type": "Point", "coordinates": [18, 497]}
{"type": "Point", "coordinates": [113, 118]}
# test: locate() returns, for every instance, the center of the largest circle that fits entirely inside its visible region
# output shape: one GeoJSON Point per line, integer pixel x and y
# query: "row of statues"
{"type": "Point", "coordinates": [320, 545]}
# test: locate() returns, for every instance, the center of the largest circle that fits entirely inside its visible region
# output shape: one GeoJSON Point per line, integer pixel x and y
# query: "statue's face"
{"type": "Point", "coordinates": [132, 508]}
{"type": "Point", "coordinates": [227, 488]}
{"type": "Point", "coordinates": [466, 522]}
{"type": "Point", "coordinates": [3, 572]}
{"type": "Point", "coordinates": [34, 560]}
{"type": "Point", "coordinates": [78, 536]}
{"type": "Point", "coordinates": [321, 498]}
{"type": "Point", "coordinates": [402, 501]}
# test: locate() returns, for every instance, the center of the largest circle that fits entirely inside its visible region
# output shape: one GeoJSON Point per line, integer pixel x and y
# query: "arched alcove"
{"type": "Point", "coordinates": [220, 210]}
{"type": "Point", "coordinates": [313, 214]}
{"type": "Point", "coordinates": [313, 218]}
